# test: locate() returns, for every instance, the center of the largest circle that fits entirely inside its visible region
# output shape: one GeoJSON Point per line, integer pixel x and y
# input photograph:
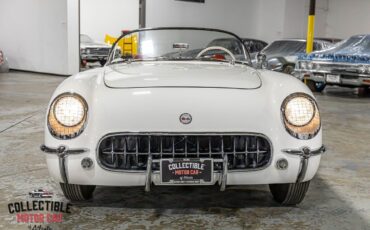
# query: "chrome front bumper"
{"type": "Point", "coordinates": [346, 79]}
{"type": "Point", "coordinates": [63, 152]}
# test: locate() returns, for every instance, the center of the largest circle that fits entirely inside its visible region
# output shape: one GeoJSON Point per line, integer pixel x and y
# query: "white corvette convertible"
{"type": "Point", "coordinates": [178, 111]}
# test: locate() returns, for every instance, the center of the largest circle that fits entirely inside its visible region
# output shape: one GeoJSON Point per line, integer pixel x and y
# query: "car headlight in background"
{"type": "Point", "coordinates": [67, 116]}
{"type": "Point", "coordinates": [301, 116]}
{"type": "Point", "coordinates": [303, 65]}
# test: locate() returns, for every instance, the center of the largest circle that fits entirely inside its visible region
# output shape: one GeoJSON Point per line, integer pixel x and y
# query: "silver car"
{"type": "Point", "coordinates": [92, 51]}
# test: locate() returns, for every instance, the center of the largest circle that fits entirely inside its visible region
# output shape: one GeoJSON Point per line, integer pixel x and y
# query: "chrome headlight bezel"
{"type": "Point", "coordinates": [305, 131]}
{"type": "Point", "coordinates": [62, 131]}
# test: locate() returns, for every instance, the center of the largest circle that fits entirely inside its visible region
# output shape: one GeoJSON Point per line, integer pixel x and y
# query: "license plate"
{"type": "Point", "coordinates": [333, 78]}
{"type": "Point", "coordinates": [187, 171]}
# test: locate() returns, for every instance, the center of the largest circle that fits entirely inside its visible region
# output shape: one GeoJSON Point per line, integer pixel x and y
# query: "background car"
{"type": "Point", "coordinates": [346, 64]}
{"type": "Point", "coordinates": [4, 66]}
{"type": "Point", "coordinates": [40, 193]}
{"type": "Point", "coordinates": [282, 55]}
{"type": "Point", "coordinates": [92, 51]}
{"type": "Point", "coordinates": [254, 45]}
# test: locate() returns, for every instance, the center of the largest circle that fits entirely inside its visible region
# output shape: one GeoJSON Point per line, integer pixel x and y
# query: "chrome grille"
{"type": "Point", "coordinates": [131, 151]}
{"type": "Point", "coordinates": [99, 51]}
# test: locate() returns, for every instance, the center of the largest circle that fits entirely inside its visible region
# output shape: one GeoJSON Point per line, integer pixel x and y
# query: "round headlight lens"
{"type": "Point", "coordinates": [299, 111]}
{"type": "Point", "coordinates": [69, 111]}
{"type": "Point", "coordinates": [301, 116]}
{"type": "Point", "coordinates": [67, 116]}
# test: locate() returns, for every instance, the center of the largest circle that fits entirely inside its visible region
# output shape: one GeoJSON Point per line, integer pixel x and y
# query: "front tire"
{"type": "Point", "coordinates": [289, 194]}
{"type": "Point", "coordinates": [75, 192]}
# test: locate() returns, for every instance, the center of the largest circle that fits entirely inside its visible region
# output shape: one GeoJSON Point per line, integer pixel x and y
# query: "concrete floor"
{"type": "Point", "coordinates": [338, 198]}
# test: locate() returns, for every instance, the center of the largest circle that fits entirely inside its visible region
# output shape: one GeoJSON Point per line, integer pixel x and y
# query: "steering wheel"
{"type": "Point", "coordinates": [216, 48]}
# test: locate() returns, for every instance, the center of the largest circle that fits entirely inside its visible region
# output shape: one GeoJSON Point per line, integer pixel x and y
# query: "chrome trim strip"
{"type": "Point", "coordinates": [155, 133]}
{"type": "Point", "coordinates": [304, 153]}
{"type": "Point", "coordinates": [62, 152]}
{"type": "Point", "coordinates": [62, 149]}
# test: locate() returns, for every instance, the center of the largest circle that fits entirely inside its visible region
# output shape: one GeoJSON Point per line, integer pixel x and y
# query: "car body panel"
{"type": "Point", "coordinates": [181, 74]}
{"type": "Point", "coordinates": [157, 109]}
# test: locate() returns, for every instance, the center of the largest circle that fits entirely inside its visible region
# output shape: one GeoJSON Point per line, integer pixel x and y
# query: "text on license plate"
{"type": "Point", "coordinates": [186, 171]}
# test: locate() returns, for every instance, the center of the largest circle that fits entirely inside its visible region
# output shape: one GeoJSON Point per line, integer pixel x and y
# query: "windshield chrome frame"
{"type": "Point", "coordinates": [246, 53]}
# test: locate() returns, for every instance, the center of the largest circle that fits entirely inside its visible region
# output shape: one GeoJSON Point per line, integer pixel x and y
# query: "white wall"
{"type": "Point", "coordinates": [34, 35]}
{"type": "Point", "coordinates": [101, 17]}
{"type": "Point", "coordinates": [237, 16]}
{"type": "Point", "coordinates": [269, 22]}
{"type": "Point", "coordinates": [264, 19]}
{"type": "Point", "coordinates": [73, 36]}
{"type": "Point", "coordinates": [346, 18]}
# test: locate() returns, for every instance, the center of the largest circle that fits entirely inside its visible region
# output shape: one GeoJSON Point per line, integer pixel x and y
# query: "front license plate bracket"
{"type": "Point", "coordinates": [182, 171]}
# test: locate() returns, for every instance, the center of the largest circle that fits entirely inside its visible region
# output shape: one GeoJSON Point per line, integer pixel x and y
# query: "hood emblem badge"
{"type": "Point", "coordinates": [186, 118]}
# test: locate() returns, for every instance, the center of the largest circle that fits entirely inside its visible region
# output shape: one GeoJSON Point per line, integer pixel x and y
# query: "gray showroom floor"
{"type": "Point", "coordinates": [338, 198]}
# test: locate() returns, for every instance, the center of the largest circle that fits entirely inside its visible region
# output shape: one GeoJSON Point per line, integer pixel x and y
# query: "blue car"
{"type": "Point", "coordinates": [346, 64]}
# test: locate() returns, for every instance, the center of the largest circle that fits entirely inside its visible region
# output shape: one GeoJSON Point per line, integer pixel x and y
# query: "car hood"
{"type": "Point", "coordinates": [94, 45]}
{"type": "Point", "coordinates": [181, 74]}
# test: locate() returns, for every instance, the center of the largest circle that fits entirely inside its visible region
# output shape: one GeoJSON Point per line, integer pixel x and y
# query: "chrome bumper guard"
{"type": "Point", "coordinates": [62, 152]}
{"type": "Point", "coordinates": [305, 153]}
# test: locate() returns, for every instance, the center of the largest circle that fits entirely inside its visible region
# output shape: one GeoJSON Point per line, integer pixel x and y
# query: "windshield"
{"type": "Point", "coordinates": [355, 44]}
{"type": "Point", "coordinates": [178, 44]}
{"type": "Point", "coordinates": [85, 39]}
{"type": "Point", "coordinates": [286, 47]}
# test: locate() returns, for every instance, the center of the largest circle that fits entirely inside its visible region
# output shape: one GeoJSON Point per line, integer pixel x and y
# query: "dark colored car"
{"type": "Point", "coordinates": [345, 64]}
{"type": "Point", "coordinates": [254, 45]}
{"type": "Point", "coordinates": [282, 55]}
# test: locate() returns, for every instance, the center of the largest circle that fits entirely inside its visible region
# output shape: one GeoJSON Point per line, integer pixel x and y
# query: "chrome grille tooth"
{"type": "Point", "coordinates": [222, 146]}
{"type": "Point", "coordinates": [197, 147]}
{"type": "Point", "coordinates": [234, 151]}
{"type": "Point", "coordinates": [161, 147]}
{"type": "Point", "coordinates": [186, 146]}
{"type": "Point", "coordinates": [246, 151]}
{"type": "Point", "coordinates": [137, 150]}
{"type": "Point", "coordinates": [258, 152]}
{"type": "Point", "coordinates": [209, 146]}
{"type": "Point", "coordinates": [173, 147]}
{"type": "Point", "coordinates": [124, 152]}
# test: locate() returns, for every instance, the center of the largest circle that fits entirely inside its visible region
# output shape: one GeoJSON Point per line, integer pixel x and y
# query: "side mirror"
{"type": "Point", "coordinates": [261, 61]}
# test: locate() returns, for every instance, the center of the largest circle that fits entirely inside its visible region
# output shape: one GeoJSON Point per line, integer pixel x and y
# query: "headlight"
{"type": "Point", "coordinates": [67, 116]}
{"type": "Point", "coordinates": [362, 69]}
{"type": "Point", "coordinates": [301, 116]}
{"type": "Point", "coordinates": [303, 65]}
